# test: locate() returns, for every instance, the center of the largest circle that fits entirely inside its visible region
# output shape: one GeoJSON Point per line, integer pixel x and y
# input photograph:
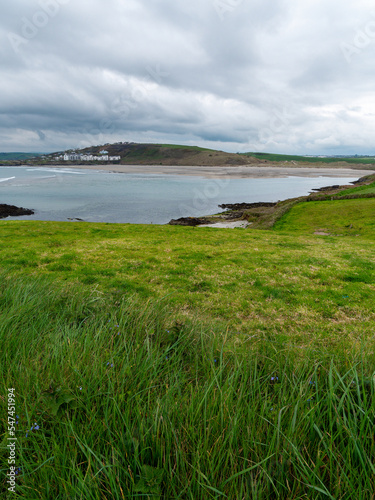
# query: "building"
{"type": "Point", "coordinates": [89, 157]}
{"type": "Point", "coordinates": [72, 157]}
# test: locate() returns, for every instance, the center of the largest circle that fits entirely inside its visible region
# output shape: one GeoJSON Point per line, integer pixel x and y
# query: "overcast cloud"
{"type": "Point", "coordinates": [286, 76]}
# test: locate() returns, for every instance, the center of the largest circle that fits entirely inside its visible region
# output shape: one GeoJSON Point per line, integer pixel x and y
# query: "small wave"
{"type": "Point", "coordinates": [6, 179]}
{"type": "Point", "coordinates": [57, 171]}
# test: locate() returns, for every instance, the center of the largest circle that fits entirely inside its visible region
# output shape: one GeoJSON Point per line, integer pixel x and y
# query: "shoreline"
{"type": "Point", "coordinates": [217, 172]}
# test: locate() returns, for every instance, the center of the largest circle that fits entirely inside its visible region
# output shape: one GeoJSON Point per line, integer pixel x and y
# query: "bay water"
{"type": "Point", "coordinates": [60, 194]}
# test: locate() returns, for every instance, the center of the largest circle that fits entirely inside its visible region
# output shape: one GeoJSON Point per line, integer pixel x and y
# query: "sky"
{"type": "Point", "coordinates": [282, 76]}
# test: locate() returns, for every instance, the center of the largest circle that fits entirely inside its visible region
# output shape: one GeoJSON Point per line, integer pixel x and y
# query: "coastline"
{"type": "Point", "coordinates": [217, 172]}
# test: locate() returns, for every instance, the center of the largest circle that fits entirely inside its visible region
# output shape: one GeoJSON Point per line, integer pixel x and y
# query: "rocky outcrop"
{"type": "Point", "coordinates": [189, 221]}
{"type": "Point", "coordinates": [236, 211]}
{"type": "Point", "coordinates": [13, 211]}
{"type": "Point", "coordinates": [245, 206]}
{"type": "Point", "coordinates": [328, 188]}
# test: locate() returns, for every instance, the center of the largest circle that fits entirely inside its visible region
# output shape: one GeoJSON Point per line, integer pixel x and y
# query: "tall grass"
{"type": "Point", "coordinates": [129, 403]}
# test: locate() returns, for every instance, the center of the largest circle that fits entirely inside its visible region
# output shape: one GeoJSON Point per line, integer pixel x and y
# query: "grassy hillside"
{"type": "Point", "coordinates": [170, 154]}
{"type": "Point", "coordinates": [182, 155]}
{"type": "Point", "coordinates": [191, 363]}
{"type": "Point", "coordinates": [368, 188]}
{"type": "Point", "coordinates": [272, 157]}
{"type": "Point", "coordinates": [340, 217]}
{"type": "Point", "coordinates": [18, 156]}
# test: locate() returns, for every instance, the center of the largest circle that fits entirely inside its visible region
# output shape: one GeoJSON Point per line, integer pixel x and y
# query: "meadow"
{"type": "Point", "coordinates": [193, 363]}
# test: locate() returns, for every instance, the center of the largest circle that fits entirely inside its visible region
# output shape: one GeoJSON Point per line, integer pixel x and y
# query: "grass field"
{"type": "Point", "coordinates": [338, 217]}
{"type": "Point", "coordinates": [191, 363]}
{"type": "Point", "coordinates": [366, 189]}
{"type": "Point", "coordinates": [294, 288]}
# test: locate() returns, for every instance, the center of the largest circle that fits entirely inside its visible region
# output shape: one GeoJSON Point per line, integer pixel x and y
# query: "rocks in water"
{"type": "Point", "coordinates": [13, 211]}
{"type": "Point", "coordinates": [189, 221]}
{"type": "Point", "coordinates": [244, 206]}
{"type": "Point", "coordinates": [327, 188]}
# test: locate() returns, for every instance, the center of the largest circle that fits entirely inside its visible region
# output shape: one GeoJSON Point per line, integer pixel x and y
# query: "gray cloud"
{"type": "Point", "coordinates": [271, 75]}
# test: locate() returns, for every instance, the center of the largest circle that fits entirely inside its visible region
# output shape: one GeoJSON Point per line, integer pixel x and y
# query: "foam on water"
{"type": "Point", "coordinates": [55, 170]}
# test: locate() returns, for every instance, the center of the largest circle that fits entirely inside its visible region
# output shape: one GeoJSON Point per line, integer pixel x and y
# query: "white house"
{"type": "Point", "coordinates": [72, 157]}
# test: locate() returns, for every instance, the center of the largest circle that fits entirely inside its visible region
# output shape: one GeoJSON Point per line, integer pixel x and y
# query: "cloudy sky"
{"type": "Point", "coordinates": [285, 76]}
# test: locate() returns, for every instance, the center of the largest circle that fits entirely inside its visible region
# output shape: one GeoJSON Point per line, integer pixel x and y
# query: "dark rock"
{"type": "Point", "coordinates": [189, 221]}
{"type": "Point", "coordinates": [232, 215]}
{"type": "Point", "coordinates": [244, 206]}
{"type": "Point", "coordinates": [326, 188]}
{"type": "Point", "coordinates": [13, 211]}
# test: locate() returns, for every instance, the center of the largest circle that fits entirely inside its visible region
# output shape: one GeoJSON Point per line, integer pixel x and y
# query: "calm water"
{"type": "Point", "coordinates": [98, 196]}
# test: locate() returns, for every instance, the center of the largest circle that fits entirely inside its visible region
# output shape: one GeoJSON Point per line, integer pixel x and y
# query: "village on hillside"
{"type": "Point", "coordinates": [87, 157]}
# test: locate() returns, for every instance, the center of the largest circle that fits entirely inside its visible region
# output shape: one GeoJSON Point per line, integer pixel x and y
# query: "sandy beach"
{"type": "Point", "coordinates": [228, 224]}
{"type": "Point", "coordinates": [239, 172]}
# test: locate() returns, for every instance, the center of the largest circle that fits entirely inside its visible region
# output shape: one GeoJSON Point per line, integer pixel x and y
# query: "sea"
{"type": "Point", "coordinates": [61, 194]}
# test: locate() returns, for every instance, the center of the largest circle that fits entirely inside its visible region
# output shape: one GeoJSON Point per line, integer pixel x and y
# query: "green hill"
{"type": "Point", "coordinates": [169, 154]}
{"type": "Point", "coordinates": [331, 161]}
{"type": "Point", "coordinates": [182, 155]}
{"type": "Point", "coordinates": [18, 156]}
